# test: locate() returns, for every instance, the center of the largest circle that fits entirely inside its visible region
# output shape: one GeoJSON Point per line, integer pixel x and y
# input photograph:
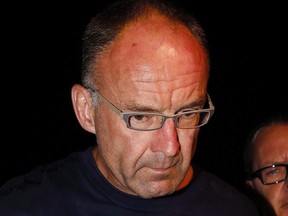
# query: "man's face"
{"type": "Point", "coordinates": [271, 147]}
{"type": "Point", "coordinates": [152, 66]}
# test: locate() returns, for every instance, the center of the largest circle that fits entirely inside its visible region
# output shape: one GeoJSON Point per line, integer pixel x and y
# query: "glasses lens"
{"type": "Point", "coordinates": [274, 174]}
{"type": "Point", "coordinates": [186, 120]}
{"type": "Point", "coordinates": [193, 119]}
{"type": "Point", "coordinates": [145, 122]}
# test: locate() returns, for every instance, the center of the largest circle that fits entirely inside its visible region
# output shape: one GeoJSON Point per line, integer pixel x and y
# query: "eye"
{"type": "Point", "coordinates": [188, 113]}
{"type": "Point", "coordinates": [272, 172]}
{"type": "Point", "coordinates": [138, 117]}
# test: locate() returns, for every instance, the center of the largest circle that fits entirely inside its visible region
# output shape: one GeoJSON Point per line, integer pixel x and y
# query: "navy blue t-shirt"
{"type": "Point", "coordinates": [75, 186]}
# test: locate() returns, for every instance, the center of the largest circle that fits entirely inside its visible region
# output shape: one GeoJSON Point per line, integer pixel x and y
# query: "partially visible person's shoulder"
{"type": "Point", "coordinates": [223, 195]}
{"type": "Point", "coordinates": [37, 188]}
{"type": "Point", "coordinates": [37, 176]}
{"type": "Point", "coordinates": [219, 186]}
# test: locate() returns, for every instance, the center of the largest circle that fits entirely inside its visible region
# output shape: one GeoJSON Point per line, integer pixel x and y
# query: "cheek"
{"type": "Point", "coordinates": [120, 144]}
{"type": "Point", "coordinates": [271, 193]}
{"type": "Point", "coordinates": [188, 140]}
{"type": "Point", "coordinates": [108, 125]}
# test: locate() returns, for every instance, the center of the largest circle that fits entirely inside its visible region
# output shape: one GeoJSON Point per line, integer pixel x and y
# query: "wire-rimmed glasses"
{"type": "Point", "coordinates": [145, 121]}
{"type": "Point", "coordinates": [272, 174]}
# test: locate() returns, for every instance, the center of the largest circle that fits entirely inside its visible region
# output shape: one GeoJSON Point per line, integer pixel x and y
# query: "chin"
{"type": "Point", "coordinates": [157, 191]}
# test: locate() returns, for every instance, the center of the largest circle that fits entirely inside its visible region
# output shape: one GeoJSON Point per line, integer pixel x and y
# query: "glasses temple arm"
{"type": "Point", "coordinates": [108, 103]}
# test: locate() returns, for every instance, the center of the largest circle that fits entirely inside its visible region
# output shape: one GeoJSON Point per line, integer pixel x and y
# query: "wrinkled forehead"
{"type": "Point", "coordinates": [271, 144]}
{"type": "Point", "coordinates": [153, 51]}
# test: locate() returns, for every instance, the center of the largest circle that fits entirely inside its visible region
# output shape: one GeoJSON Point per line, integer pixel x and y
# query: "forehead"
{"type": "Point", "coordinates": [271, 145]}
{"type": "Point", "coordinates": [152, 52]}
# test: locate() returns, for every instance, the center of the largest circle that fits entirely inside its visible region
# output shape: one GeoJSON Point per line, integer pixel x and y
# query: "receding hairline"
{"type": "Point", "coordinates": [101, 31]}
{"type": "Point", "coordinates": [146, 16]}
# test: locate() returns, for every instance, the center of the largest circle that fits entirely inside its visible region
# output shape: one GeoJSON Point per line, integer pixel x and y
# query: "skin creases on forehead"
{"type": "Point", "coordinates": [145, 59]}
{"type": "Point", "coordinates": [272, 146]}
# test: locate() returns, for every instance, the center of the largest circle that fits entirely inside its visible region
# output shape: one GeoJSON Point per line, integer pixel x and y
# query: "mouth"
{"type": "Point", "coordinates": [163, 169]}
{"type": "Point", "coordinates": [285, 205]}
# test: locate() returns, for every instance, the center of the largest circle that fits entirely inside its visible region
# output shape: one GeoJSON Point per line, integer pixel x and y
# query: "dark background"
{"type": "Point", "coordinates": [41, 62]}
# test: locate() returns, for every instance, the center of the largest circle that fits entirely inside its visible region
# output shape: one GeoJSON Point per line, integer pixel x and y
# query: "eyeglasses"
{"type": "Point", "coordinates": [143, 121]}
{"type": "Point", "coordinates": [271, 174]}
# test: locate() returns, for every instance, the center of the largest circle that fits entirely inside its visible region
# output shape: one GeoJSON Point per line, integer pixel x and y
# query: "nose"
{"type": "Point", "coordinates": [166, 139]}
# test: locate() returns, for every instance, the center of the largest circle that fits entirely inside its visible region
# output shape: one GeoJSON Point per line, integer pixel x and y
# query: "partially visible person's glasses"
{"type": "Point", "coordinates": [271, 174]}
{"type": "Point", "coordinates": [142, 121]}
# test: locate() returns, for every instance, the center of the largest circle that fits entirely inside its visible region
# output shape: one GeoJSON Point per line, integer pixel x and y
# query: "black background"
{"type": "Point", "coordinates": [41, 61]}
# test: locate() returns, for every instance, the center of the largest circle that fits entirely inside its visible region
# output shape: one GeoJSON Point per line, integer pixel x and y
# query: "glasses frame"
{"type": "Point", "coordinates": [258, 174]}
{"type": "Point", "coordinates": [125, 115]}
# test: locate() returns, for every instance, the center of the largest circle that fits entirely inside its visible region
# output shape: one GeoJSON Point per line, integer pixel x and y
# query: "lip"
{"type": "Point", "coordinates": [162, 169]}
{"type": "Point", "coordinates": [285, 205]}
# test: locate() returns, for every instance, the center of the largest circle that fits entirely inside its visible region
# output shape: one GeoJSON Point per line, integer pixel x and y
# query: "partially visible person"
{"type": "Point", "coordinates": [266, 163]}
{"type": "Point", "coordinates": [144, 96]}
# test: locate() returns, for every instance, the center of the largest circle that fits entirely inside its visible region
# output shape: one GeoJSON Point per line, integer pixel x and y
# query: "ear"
{"type": "Point", "coordinates": [83, 108]}
{"type": "Point", "coordinates": [249, 184]}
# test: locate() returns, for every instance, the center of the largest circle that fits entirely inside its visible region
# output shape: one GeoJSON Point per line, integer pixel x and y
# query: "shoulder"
{"type": "Point", "coordinates": [40, 175]}
{"type": "Point", "coordinates": [38, 189]}
{"type": "Point", "coordinates": [221, 194]}
{"type": "Point", "coordinates": [217, 186]}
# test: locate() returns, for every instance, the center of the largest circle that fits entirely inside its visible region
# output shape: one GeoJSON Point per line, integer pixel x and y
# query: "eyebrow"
{"type": "Point", "coordinates": [134, 107]}
{"type": "Point", "coordinates": [198, 103]}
